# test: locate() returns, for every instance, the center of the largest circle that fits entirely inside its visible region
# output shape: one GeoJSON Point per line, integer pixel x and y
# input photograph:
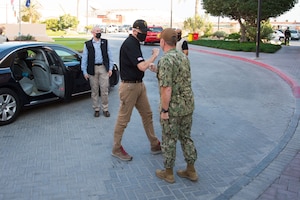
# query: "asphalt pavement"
{"type": "Point", "coordinates": [283, 163]}
{"type": "Point", "coordinates": [245, 130]}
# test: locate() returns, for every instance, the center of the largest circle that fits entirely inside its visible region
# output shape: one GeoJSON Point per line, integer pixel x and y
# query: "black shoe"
{"type": "Point", "coordinates": [97, 114]}
{"type": "Point", "coordinates": [106, 113]}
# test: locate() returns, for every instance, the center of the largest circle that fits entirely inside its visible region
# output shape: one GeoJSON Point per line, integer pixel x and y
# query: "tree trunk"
{"type": "Point", "coordinates": [196, 7]}
{"type": "Point", "coordinates": [243, 31]}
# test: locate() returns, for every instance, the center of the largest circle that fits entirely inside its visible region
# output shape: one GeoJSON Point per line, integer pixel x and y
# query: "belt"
{"type": "Point", "coordinates": [136, 81]}
{"type": "Point", "coordinates": [98, 63]}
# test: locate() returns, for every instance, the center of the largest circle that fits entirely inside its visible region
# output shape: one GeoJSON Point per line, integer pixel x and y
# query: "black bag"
{"type": "Point", "coordinates": [114, 78]}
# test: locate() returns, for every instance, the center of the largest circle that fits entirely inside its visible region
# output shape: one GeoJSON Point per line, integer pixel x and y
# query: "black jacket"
{"type": "Point", "coordinates": [91, 56]}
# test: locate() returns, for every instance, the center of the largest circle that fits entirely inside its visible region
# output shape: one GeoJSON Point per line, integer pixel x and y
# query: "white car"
{"type": "Point", "coordinates": [277, 37]}
{"type": "Point", "coordinates": [112, 28]}
{"type": "Point", "coordinates": [295, 35]}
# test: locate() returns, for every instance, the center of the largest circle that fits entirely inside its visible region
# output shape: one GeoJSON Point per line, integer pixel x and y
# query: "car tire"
{"type": "Point", "coordinates": [10, 106]}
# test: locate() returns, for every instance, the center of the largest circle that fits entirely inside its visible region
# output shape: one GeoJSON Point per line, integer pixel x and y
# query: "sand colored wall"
{"type": "Point", "coordinates": [38, 31]}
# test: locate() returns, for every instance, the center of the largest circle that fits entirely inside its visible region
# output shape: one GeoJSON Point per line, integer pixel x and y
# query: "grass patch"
{"type": "Point", "coordinates": [237, 46]}
{"type": "Point", "coordinates": [73, 43]}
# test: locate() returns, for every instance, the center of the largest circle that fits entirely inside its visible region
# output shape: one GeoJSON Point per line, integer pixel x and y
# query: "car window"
{"type": "Point", "coordinates": [69, 58]}
{"type": "Point", "coordinates": [6, 63]}
{"type": "Point", "coordinates": [66, 56]}
{"type": "Point", "coordinates": [156, 29]}
{"type": "Point", "coordinates": [53, 62]}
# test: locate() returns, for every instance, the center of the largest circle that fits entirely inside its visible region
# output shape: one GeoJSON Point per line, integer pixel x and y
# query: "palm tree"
{"type": "Point", "coordinates": [77, 13]}
{"type": "Point", "coordinates": [196, 7]}
{"type": "Point", "coordinates": [30, 14]}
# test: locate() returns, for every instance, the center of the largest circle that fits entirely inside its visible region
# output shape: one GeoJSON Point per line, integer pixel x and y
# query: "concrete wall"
{"type": "Point", "coordinates": [38, 31]}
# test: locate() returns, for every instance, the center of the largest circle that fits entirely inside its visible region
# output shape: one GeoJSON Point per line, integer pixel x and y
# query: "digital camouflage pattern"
{"type": "Point", "coordinates": [174, 71]}
{"type": "Point", "coordinates": [177, 128]}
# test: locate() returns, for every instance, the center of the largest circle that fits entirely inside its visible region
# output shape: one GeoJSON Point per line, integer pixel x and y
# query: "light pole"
{"type": "Point", "coordinates": [87, 15]}
{"type": "Point", "coordinates": [20, 18]}
{"type": "Point", "coordinates": [258, 28]}
{"type": "Point", "coordinates": [171, 14]}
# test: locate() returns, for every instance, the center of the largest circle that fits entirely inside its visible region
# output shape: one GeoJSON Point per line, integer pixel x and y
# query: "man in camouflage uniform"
{"type": "Point", "coordinates": [177, 106]}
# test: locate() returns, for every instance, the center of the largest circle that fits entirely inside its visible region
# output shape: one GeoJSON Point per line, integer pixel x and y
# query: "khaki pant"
{"type": "Point", "coordinates": [134, 95]}
{"type": "Point", "coordinates": [100, 79]}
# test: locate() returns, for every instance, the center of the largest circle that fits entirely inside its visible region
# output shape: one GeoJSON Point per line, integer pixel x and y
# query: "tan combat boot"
{"type": "Point", "coordinates": [166, 175]}
{"type": "Point", "coordinates": [189, 173]}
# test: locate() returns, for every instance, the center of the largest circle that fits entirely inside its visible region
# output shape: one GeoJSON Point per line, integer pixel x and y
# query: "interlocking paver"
{"type": "Point", "coordinates": [243, 129]}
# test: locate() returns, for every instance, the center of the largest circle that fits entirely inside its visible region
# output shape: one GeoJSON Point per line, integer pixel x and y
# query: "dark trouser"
{"type": "Point", "coordinates": [287, 40]}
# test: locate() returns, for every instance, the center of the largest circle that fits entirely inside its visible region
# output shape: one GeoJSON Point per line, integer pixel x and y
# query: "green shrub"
{"type": "Point", "coordinates": [237, 46]}
{"type": "Point", "coordinates": [220, 34]}
{"type": "Point", "coordinates": [233, 36]}
{"type": "Point", "coordinates": [24, 38]}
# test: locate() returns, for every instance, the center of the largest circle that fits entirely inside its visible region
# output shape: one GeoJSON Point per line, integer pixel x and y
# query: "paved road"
{"type": "Point", "coordinates": [281, 166]}
{"type": "Point", "coordinates": [245, 129]}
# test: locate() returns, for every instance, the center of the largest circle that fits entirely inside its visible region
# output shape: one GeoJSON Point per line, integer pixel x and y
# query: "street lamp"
{"type": "Point", "coordinates": [20, 19]}
{"type": "Point", "coordinates": [258, 28]}
{"type": "Point", "coordinates": [87, 15]}
{"type": "Point", "coordinates": [171, 14]}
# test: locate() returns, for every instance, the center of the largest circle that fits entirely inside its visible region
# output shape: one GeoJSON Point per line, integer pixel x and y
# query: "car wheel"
{"type": "Point", "coordinates": [9, 106]}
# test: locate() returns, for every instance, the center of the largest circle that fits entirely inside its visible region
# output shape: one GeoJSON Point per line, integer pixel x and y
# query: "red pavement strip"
{"type": "Point", "coordinates": [293, 84]}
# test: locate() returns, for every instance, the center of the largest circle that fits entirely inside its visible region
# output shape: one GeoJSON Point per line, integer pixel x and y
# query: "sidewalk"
{"type": "Point", "coordinates": [285, 161]}
{"type": "Point", "coordinates": [245, 127]}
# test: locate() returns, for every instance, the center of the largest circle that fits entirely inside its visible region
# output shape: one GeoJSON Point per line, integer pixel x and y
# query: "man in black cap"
{"type": "Point", "coordinates": [132, 90]}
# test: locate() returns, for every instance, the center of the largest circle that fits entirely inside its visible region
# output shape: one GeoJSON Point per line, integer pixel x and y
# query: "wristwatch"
{"type": "Point", "coordinates": [164, 111]}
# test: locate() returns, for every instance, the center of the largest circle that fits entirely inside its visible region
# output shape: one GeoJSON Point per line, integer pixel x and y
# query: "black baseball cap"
{"type": "Point", "coordinates": [141, 24]}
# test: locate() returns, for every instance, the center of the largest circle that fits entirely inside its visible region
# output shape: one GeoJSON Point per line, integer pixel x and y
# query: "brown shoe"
{"type": "Point", "coordinates": [106, 113]}
{"type": "Point", "coordinates": [121, 154]}
{"type": "Point", "coordinates": [96, 114]}
{"type": "Point", "coordinates": [156, 149]}
{"type": "Point", "coordinates": [189, 173]}
{"type": "Point", "coordinates": [166, 175]}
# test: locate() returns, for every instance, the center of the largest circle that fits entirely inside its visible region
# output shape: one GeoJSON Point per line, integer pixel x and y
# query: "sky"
{"type": "Point", "coordinates": [181, 9]}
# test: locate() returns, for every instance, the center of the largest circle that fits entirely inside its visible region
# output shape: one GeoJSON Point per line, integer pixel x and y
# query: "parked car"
{"type": "Point", "coordinates": [153, 35]}
{"type": "Point", "coordinates": [124, 28]}
{"type": "Point", "coordinates": [103, 28]}
{"type": "Point", "coordinates": [295, 35]}
{"type": "Point", "coordinates": [130, 30]}
{"type": "Point", "coordinates": [111, 29]}
{"type": "Point", "coordinates": [32, 73]}
{"type": "Point", "coordinates": [277, 36]}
